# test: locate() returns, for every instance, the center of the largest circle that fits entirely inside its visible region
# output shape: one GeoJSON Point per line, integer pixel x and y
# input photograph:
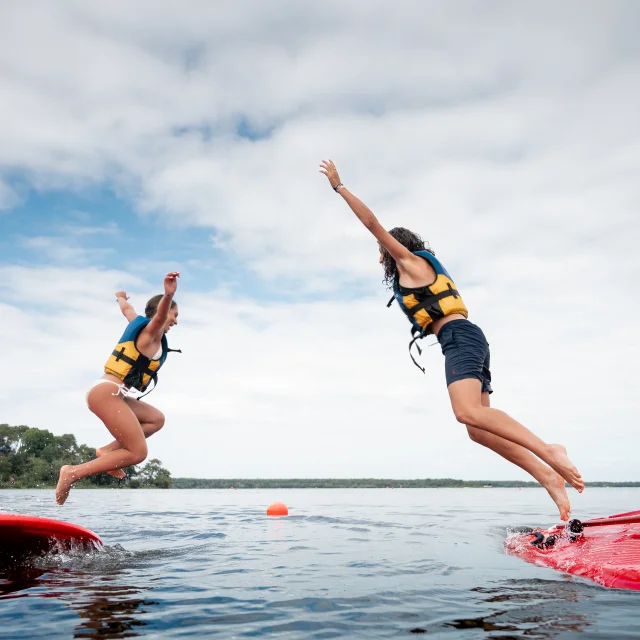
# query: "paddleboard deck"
{"type": "Point", "coordinates": [606, 551]}
{"type": "Point", "coordinates": [23, 536]}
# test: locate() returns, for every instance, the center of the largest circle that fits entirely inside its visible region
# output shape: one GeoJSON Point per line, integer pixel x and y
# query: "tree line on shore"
{"type": "Point", "coordinates": [361, 483]}
{"type": "Point", "coordinates": [31, 458]}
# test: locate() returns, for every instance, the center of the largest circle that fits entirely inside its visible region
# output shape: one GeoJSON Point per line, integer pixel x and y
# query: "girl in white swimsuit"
{"type": "Point", "coordinates": [131, 368]}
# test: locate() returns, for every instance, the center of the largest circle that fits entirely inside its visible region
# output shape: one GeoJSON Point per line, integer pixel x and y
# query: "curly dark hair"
{"type": "Point", "coordinates": [408, 239]}
{"type": "Point", "coordinates": [152, 305]}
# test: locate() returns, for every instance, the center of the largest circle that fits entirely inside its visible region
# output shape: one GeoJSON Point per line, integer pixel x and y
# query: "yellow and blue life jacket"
{"type": "Point", "coordinates": [424, 305]}
{"type": "Point", "coordinates": [127, 363]}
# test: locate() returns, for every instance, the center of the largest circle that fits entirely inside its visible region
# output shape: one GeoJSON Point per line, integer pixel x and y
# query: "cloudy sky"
{"type": "Point", "coordinates": [186, 135]}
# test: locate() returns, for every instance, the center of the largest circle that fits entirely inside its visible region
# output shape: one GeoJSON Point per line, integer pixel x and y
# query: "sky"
{"type": "Point", "coordinates": [138, 139]}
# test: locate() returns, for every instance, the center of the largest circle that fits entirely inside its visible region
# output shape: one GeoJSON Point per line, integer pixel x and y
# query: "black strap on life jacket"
{"type": "Point", "coordinates": [429, 304]}
{"type": "Point", "coordinates": [154, 376]}
{"type": "Point", "coordinates": [142, 366]}
{"type": "Point", "coordinates": [416, 335]}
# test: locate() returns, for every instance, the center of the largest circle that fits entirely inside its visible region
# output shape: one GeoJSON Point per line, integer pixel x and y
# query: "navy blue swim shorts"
{"type": "Point", "coordinates": [466, 353]}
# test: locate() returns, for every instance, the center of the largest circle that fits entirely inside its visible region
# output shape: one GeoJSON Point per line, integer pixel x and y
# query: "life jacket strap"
{"type": "Point", "coordinates": [419, 336]}
{"type": "Point", "coordinates": [138, 365]}
{"type": "Point", "coordinates": [430, 300]}
{"type": "Point", "coordinates": [154, 376]}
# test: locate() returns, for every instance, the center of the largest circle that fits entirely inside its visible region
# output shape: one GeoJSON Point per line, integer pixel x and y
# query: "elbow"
{"type": "Point", "coordinates": [369, 221]}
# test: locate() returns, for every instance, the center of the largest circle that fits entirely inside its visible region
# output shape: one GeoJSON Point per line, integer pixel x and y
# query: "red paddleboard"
{"type": "Point", "coordinates": [22, 536]}
{"type": "Point", "coordinates": [607, 550]}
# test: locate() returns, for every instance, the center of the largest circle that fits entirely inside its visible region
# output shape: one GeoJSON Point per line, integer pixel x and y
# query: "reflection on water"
{"type": "Point", "coordinates": [106, 607]}
{"type": "Point", "coordinates": [112, 612]}
{"type": "Point", "coordinates": [543, 608]}
{"type": "Point", "coordinates": [15, 579]}
{"type": "Point", "coordinates": [528, 608]}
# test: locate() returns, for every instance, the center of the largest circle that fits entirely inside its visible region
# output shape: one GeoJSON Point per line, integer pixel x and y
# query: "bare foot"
{"type": "Point", "coordinates": [558, 460]}
{"type": "Point", "coordinates": [65, 481]}
{"type": "Point", "coordinates": [554, 484]}
{"type": "Point", "coordinates": [116, 473]}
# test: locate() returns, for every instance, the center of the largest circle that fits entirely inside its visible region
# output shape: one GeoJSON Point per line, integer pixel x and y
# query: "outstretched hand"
{"type": "Point", "coordinates": [329, 169]}
{"type": "Point", "coordinates": [171, 283]}
{"type": "Point", "coordinates": [122, 294]}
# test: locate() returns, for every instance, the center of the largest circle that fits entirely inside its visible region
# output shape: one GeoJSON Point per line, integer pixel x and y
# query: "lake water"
{"type": "Point", "coordinates": [379, 563]}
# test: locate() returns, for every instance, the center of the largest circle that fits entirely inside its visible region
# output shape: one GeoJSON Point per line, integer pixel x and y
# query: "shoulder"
{"type": "Point", "coordinates": [139, 321]}
{"type": "Point", "coordinates": [137, 324]}
{"type": "Point", "coordinates": [436, 265]}
{"type": "Point", "coordinates": [134, 328]}
{"type": "Point", "coordinates": [427, 255]}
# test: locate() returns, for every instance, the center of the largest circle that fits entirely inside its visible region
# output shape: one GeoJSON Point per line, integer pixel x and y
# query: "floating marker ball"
{"type": "Point", "coordinates": [277, 509]}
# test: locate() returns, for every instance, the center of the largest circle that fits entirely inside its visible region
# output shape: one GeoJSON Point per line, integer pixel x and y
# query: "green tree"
{"type": "Point", "coordinates": [34, 441]}
{"type": "Point", "coordinates": [5, 468]}
{"type": "Point", "coordinates": [32, 457]}
{"type": "Point", "coordinates": [153, 474]}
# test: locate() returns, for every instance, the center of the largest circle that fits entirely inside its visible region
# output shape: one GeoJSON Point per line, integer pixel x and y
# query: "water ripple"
{"type": "Point", "coordinates": [352, 564]}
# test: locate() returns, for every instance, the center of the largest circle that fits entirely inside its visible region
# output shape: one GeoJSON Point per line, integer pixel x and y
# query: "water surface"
{"type": "Point", "coordinates": [370, 563]}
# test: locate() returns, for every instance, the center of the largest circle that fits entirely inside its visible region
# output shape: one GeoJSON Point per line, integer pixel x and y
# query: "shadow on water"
{"type": "Point", "coordinates": [525, 608]}
{"type": "Point", "coordinates": [90, 585]}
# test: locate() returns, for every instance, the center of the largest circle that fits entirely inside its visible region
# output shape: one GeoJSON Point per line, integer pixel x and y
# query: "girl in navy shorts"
{"type": "Point", "coordinates": [426, 293]}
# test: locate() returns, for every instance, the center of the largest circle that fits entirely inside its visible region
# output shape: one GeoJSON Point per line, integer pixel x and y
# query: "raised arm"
{"type": "Point", "coordinates": [127, 310]}
{"type": "Point", "coordinates": [155, 328]}
{"type": "Point", "coordinates": [398, 252]}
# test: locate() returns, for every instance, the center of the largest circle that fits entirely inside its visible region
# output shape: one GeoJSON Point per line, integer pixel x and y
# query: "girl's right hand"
{"type": "Point", "coordinates": [329, 169]}
{"type": "Point", "coordinates": [122, 294]}
{"type": "Point", "coordinates": [171, 283]}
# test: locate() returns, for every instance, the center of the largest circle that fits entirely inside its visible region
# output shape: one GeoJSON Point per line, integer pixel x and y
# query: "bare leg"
{"type": "Point", "coordinates": [465, 398]}
{"type": "Point", "coordinates": [547, 477]}
{"type": "Point", "coordinates": [123, 425]}
{"type": "Point", "coordinates": [151, 420]}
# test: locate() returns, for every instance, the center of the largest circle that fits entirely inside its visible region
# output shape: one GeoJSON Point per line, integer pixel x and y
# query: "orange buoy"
{"type": "Point", "coordinates": [277, 509]}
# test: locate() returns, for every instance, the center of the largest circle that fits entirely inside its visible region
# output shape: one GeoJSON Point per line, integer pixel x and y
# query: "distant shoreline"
{"type": "Point", "coordinates": [364, 483]}
{"type": "Point", "coordinates": [184, 484]}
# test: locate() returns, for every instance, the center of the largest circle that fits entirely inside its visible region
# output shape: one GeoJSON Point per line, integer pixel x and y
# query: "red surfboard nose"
{"type": "Point", "coordinates": [22, 536]}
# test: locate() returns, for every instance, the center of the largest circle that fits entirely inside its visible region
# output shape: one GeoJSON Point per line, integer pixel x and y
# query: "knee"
{"type": "Point", "coordinates": [476, 435]}
{"type": "Point", "coordinates": [139, 452]}
{"type": "Point", "coordinates": [158, 421]}
{"type": "Point", "coordinates": [466, 415]}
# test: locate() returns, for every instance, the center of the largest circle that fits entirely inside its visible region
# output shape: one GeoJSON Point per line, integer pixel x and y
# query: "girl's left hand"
{"type": "Point", "coordinates": [329, 169]}
{"type": "Point", "coordinates": [171, 283]}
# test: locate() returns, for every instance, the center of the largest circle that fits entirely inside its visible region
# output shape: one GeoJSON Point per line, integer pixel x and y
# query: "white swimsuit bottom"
{"type": "Point", "coordinates": [120, 389]}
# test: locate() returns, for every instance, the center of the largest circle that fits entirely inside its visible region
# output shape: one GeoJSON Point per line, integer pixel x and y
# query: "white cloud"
{"type": "Point", "coordinates": [8, 197]}
{"type": "Point", "coordinates": [505, 133]}
{"type": "Point", "coordinates": [62, 251]}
